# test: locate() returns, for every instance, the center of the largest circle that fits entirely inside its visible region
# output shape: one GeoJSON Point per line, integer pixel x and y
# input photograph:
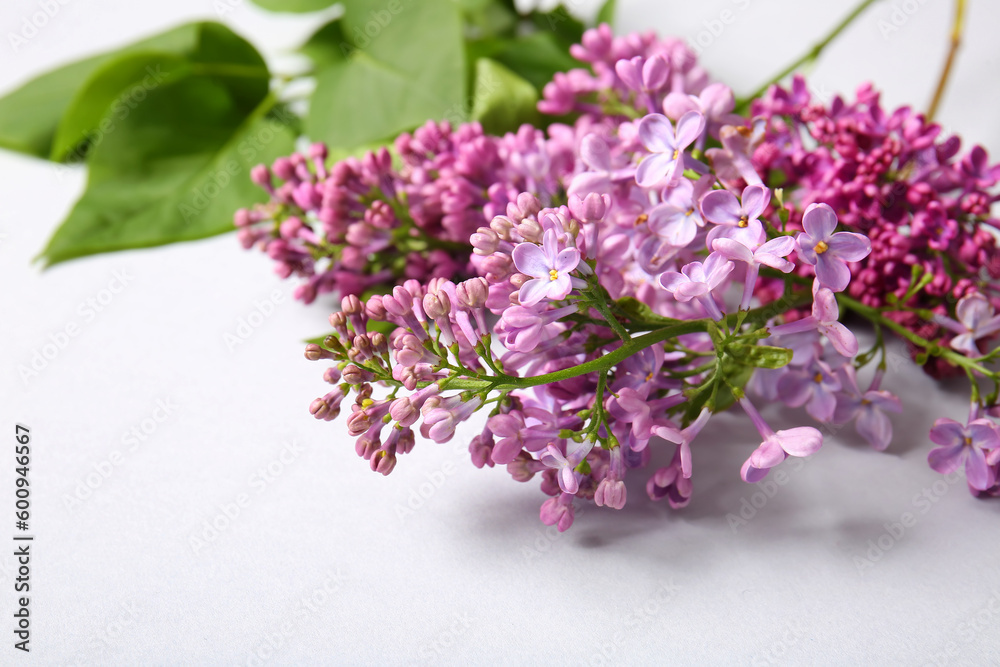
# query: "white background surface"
{"type": "Point", "coordinates": [470, 576]}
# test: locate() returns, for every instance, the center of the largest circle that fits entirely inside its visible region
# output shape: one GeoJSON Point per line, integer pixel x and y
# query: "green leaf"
{"type": "Point", "coordinates": [488, 18]}
{"type": "Point", "coordinates": [637, 311]}
{"type": "Point", "coordinates": [503, 101]}
{"type": "Point", "coordinates": [606, 14]}
{"type": "Point", "coordinates": [406, 67]}
{"type": "Point", "coordinates": [30, 115]}
{"type": "Point", "coordinates": [559, 22]}
{"type": "Point", "coordinates": [535, 57]}
{"type": "Point", "coordinates": [328, 45]}
{"type": "Point", "coordinates": [123, 82]}
{"type": "Point", "coordinates": [734, 375]}
{"type": "Point", "coordinates": [151, 183]}
{"type": "Point", "coordinates": [759, 356]}
{"type": "Point", "coordinates": [294, 6]}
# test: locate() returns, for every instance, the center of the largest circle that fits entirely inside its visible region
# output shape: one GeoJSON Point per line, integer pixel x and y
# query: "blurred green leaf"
{"type": "Point", "coordinates": [30, 115]}
{"type": "Point", "coordinates": [637, 311]}
{"type": "Point", "coordinates": [535, 57]}
{"type": "Point", "coordinates": [294, 6]}
{"type": "Point", "coordinates": [123, 82]}
{"type": "Point", "coordinates": [566, 28]}
{"type": "Point", "coordinates": [606, 14]}
{"type": "Point", "coordinates": [328, 45]}
{"type": "Point", "coordinates": [406, 67]}
{"type": "Point", "coordinates": [503, 101]}
{"type": "Point", "coordinates": [175, 169]}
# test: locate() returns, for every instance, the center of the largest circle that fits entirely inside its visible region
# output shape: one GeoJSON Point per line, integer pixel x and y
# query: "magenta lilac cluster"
{"type": "Point", "coordinates": [896, 178]}
{"type": "Point", "coordinates": [599, 291]}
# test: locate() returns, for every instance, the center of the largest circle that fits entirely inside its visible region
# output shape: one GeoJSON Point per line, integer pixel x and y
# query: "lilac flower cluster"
{"type": "Point", "coordinates": [894, 177]}
{"type": "Point", "coordinates": [610, 285]}
{"type": "Point", "coordinates": [366, 224]}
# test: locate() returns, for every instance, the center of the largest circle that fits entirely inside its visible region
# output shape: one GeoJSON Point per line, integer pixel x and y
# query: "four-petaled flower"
{"type": "Point", "coordinates": [800, 441]}
{"type": "Point", "coordinates": [958, 444]}
{"type": "Point", "coordinates": [697, 280]}
{"type": "Point", "coordinates": [825, 318]}
{"type": "Point", "coordinates": [772, 254]}
{"type": "Point", "coordinates": [829, 252]}
{"type": "Point", "coordinates": [866, 408]}
{"type": "Point", "coordinates": [975, 320]}
{"type": "Point", "coordinates": [738, 219]}
{"type": "Point", "coordinates": [548, 266]}
{"type": "Point", "coordinates": [565, 466]}
{"type": "Point", "coordinates": [667, 146]}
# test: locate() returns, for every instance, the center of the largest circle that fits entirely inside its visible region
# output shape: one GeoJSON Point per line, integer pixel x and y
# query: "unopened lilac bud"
{"type": "Point", "coordinates": [379, 342]}
{"type": "Point", "coordinates": [473, 293]}
{"type": "Point", "coordinates": [363, 346]}
{"type": "Point", "coordinates": [355, 375]}
{"type": "Point", "coordinates": [331, 375]}
{"type": "Point", "coordinates": [374, 308]}
{"type": "Point", "coordinates": [314, 352]}
{"type": "Point", "coordinates": [339, 323]}
{"type": "Point", "coordinates": [528, 204]}
{"type": "Point", "coordinates": [502, 226]}
{"type": "Point", "coordinates": [261, 176]}
{"type": "Point", "coordinates": [318, 151]}
{"type": "Point", "coordinates": [518, 279]}
{"type": "Point", "coordinates": [404, 445]}
{"type": "Point", "coordinates": [352, 306]}
{"type": "Point", "coordinates": [403, 411]}
{"type": "Point", "coordinates": [655, 72]}
{"type": "Point", "coordinates": [530, 230]}
{"type": "Point", "coordinates": [383, 463]}
{"type": "Point", "coordinates": [437, 305]}
{"type": "Point", "coordinates": [284, 168]}
{"type": "Point", "coordinates": [242, 218]}
{"type": "Point", "coordinates": [484, 241]}
{"type": "Point", "coordinates": [591, 208]}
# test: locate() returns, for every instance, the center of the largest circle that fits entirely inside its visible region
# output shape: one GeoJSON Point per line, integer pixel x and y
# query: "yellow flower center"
{"type": "Point", "coordinates": [743, 222]}
{"type": "Point", "coordinates": [821, 247]}
{"type": "Point", "coordinates": [553, 275]}
{"type": "Point", "coordinates": [968, 441]}
{"type": "Point", "coordinates": [649, 376]}
{"type": "Point", "coordinates": [818, 378]}
{"type": "Point", "coordinates": [641, 219]}
{"type": "Point", "coordinates": [676, 154]}
{"type": "Point", "coordinates": [690, 212]}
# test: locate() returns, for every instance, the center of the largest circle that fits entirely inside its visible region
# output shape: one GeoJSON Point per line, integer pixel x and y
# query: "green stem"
{"type": "Point", "coordinates": [954, 42]}
{"type": "Point", "coordinates": [809, 56]}
{"type": "Point", "coordinates": [876, 317]}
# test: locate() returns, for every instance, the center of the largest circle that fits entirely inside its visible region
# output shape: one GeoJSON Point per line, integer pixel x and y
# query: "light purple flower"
{"type": "Point", "coordinates": [670, 483]}
{"type": "Point", "coordinates": [799, 441]}
{"type": "Point", "coordinates": [667, 147]}
{"type": "Point", "coordinates": [715, 102]}
{"type": "Point", "coordinates": [958, 444]}
{"type": "Point", "coordinates": [684, 438]}
{"type": "Point", "coordinates": [677, 219]}
{"type": "Point", "coordinates": [738, 219]}
{"type": "Point", "coordinates": [772, 254]}
{"type": "Point", "coordinates": [975, 320]}
{"type": "Point", "coordinates": [565, 465]}
{"type": "Point", "coordinates": [825, 318]}
{"type": "Point", "coordinates": [829, 252]}
{"type": "Point", "coordinates": [814, 386]}
{"type": "Point", "coordinates": [558, 511]}
{"type": "Point", "coordinates": [548, 266]}
{"type": "Point", "coordinates": [697, 280]}
{"type": "Point", "coordinates": [866, 408]}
